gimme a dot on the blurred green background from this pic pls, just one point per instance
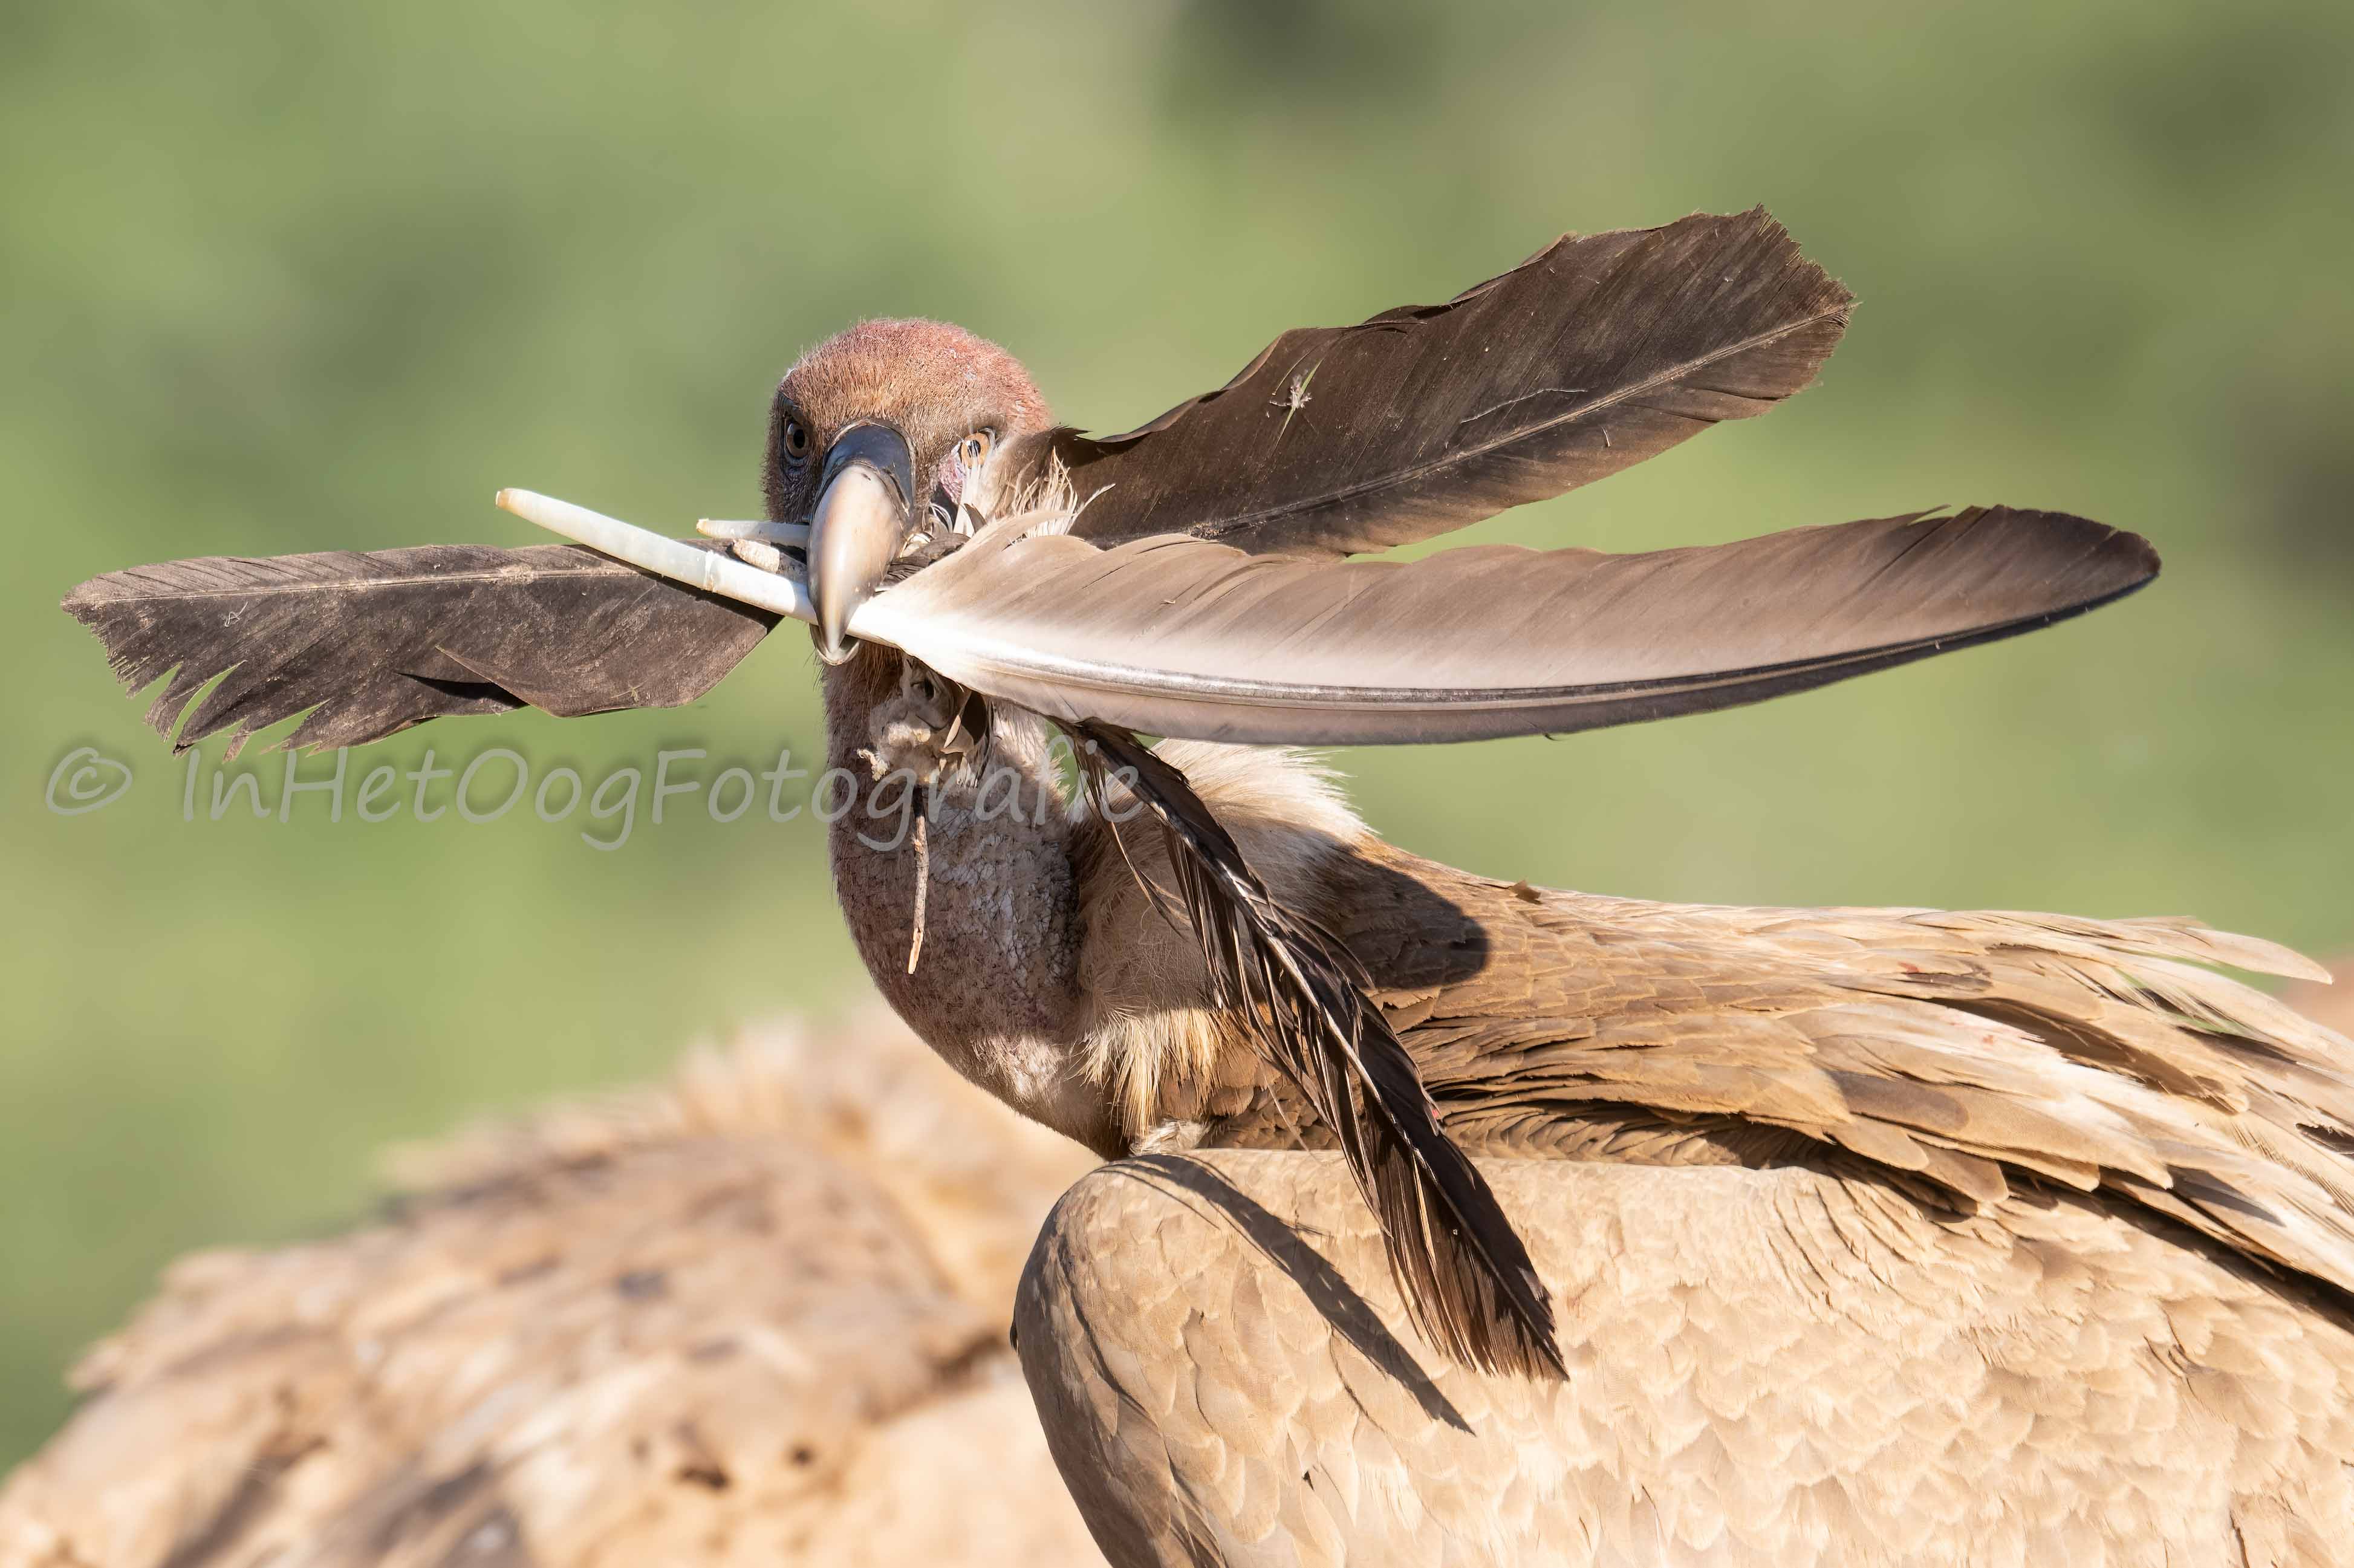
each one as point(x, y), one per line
point(280, 277)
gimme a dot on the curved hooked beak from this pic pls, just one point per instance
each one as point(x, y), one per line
point(857, 528)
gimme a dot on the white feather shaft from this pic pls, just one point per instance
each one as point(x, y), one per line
point(681, 562)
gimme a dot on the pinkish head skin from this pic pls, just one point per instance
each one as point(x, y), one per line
point(936, 384)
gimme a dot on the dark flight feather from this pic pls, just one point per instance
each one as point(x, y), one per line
point(371, 643)
point(1594, 353)
point(1177, 636)
point(1462, 1269)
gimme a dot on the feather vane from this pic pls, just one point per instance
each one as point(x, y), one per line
point(1179, 636)
point(1461, 1268)
point(1599, 351)
point(370, 644)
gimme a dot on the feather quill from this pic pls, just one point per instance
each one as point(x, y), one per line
point(1177, 636)
point(1599, 351)
point(1463, 1271)
point(370, 644)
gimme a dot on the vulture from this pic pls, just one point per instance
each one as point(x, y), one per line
point(1446, 1219)
point(752, 1316)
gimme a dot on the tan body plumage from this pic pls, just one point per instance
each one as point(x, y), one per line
point(1766, 1366)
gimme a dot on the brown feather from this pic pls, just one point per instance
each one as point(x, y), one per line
point(1463, 1270)
point(1182, 637)
point(1594, 353)
point(1977, 1052)
point(373, 643)
point(2047, 1047)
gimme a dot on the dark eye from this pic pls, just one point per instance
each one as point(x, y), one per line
point(795, 439)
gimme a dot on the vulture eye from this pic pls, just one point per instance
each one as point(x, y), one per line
point(974, 451)
point(795, 439)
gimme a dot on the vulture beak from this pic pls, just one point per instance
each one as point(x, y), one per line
point(861, 519)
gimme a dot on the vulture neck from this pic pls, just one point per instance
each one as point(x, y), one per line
point(995, 989)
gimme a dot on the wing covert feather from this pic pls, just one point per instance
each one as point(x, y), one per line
point(1981, 1051)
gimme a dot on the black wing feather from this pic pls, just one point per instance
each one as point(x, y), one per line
point(1463, 1270)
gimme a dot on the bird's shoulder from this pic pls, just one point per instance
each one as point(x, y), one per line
point(1756, 1359)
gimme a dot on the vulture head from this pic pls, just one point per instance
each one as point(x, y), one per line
point(880, 438)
